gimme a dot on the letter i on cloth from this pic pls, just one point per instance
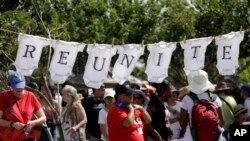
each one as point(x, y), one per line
point(158, 60)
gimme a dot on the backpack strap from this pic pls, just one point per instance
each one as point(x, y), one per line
point(194, 97)
point(227, 104)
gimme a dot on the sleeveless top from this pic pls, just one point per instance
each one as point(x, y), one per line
point(79, 135)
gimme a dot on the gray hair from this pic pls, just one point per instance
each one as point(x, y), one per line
point(70, 90)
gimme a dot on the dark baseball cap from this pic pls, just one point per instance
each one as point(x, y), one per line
point(125, 88)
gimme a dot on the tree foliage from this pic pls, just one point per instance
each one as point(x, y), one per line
point(128, 21)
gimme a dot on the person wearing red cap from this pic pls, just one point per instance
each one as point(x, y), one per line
point(17, 107)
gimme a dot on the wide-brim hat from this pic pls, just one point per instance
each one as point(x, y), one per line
point(198, 82)
point(221, 86)
point(239, 109)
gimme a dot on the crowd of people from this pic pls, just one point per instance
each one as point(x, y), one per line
point(128, 112)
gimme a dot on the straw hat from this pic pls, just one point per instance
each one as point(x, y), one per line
point(239, 109)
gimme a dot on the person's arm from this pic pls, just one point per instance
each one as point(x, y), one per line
point(184, 118)
point(40, 118)
point(82, 117)
point(130, 118)
point(150, 128)
point(221, 116)
point(145, 114)
point(3, 122)
point(6, 123)
point(103, 131)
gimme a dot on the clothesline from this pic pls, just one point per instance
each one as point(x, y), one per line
point(13, 32)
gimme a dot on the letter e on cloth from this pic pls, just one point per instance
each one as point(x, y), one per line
point(63, 59)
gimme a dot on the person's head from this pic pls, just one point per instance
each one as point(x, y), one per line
point(198, 82)
point(240, 113)
point(109, 97)
point(17, 82)
point(233, 82)
point(222, 88)
point(163, 89)
point(99, 92)
point(245, 91)
point(175, 94)
point(42, 89)
point(139, 97)
point(70, 95)
point(124, 93)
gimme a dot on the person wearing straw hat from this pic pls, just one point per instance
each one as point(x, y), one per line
point(228, 104)
point(240, 117)
point(199, 85)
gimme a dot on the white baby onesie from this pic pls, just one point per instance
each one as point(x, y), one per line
point(194, 53)
point(98, 63)
point(63, 59)
point(228, 52)
point(124, 65)
point(158, 60)
point(29, 53)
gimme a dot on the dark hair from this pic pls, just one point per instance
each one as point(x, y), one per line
point(159, 86)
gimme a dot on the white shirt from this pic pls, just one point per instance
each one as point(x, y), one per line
point(102, 119)
point(124, 65)
point(194, 53)
point(63, 59)
point(98, 63)
point(29, 53)
point(228, 52)
point(158, 61)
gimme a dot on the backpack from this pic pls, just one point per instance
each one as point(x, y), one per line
point(205, 124)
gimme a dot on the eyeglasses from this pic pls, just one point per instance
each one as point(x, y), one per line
point(137, 97)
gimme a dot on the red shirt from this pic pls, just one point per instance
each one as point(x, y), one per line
point(18, 109)
point(117, 132)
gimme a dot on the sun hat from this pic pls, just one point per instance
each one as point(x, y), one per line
point(16, 79)
point(198, 82)
point(239, 109)
point(121, 89)
point(221, 86)
point(109, 93)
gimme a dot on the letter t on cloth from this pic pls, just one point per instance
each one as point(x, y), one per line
point(158, 60)
point(98, 63)
point(29, 52)
point(124, 65)
point(194, 53)
point(228, 52)
point(63, 59)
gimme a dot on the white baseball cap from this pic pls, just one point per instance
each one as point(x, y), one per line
point(109, 92)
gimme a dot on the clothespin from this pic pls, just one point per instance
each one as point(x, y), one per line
point(123, 42)
point(142, 43)
point(184, 39)
point(94, 43)
point(241, 29)
point(113, 40)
